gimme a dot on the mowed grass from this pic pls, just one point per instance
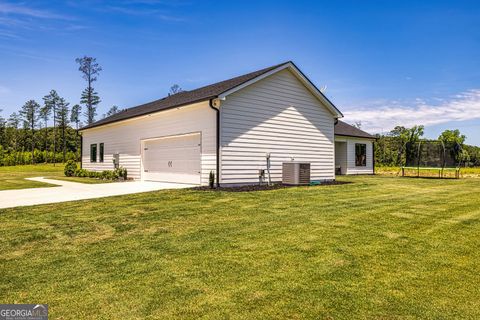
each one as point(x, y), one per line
point(377, 248)
point(13, 177)
point(433, 173)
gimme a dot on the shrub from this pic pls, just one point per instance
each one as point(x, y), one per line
point(70, 168)
point(81, 173)
point(121, 173)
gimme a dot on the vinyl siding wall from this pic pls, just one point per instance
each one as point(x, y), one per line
point(125, 138)
point(280, 116)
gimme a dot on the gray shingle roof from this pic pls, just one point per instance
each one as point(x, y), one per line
point(182, 98)
point(344, 129)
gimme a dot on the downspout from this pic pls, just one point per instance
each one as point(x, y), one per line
point(210, 103)
point(373, 156)
point(81, 151)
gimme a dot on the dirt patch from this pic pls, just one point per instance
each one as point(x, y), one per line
point(265, 187)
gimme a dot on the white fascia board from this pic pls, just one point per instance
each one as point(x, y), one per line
point(306, 82)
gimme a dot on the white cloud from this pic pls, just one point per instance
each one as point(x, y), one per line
point(8, 8)
point(384, 116)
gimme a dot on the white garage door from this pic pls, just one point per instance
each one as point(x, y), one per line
point(173, 159)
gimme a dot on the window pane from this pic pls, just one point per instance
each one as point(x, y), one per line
point(101, 152)
point(360, 154)
point(93, 153)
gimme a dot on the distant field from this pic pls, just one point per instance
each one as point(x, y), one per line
point(397, 171)
point(377, 247)
point(13, 177)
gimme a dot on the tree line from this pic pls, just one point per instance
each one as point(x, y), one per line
point(396, 147)
point(47, 131)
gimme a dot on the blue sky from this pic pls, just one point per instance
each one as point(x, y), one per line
point(384, 62)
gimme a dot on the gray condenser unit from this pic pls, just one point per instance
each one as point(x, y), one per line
point(296, 173)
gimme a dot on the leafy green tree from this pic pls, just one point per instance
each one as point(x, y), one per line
point(405, 140)
point(452, 137)
point(63, 120)
point(30, 114)
point(90, 70)
point(453, 141)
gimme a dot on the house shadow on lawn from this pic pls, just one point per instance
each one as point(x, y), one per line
point(265, 187)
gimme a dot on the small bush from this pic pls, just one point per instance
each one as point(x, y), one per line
point(81, 173)
point(70, 168)
point(121, 173)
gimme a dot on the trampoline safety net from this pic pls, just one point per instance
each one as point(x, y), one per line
point(432, 154)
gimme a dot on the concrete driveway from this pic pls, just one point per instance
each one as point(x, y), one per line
point(69, 191)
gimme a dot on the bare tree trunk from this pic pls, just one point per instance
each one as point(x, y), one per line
point(46, 142)
point(64, 144)
point(54, 138)
point(33, 145)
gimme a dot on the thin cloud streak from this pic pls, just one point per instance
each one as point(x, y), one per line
point(8, 8)
point(384, 117)
point(144, 12)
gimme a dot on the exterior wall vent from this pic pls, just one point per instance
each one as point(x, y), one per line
point(296, 173)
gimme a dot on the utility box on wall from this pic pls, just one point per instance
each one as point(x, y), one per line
point(296, 173)
point(116, 160)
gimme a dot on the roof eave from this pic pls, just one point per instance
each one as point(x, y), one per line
point(356, 136)
point(93, 125)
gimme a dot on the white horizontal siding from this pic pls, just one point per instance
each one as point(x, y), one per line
point(350, 149)
point(125, 137)
point(276, 115)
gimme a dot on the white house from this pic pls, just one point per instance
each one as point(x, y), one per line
point(228, 128)
point(353, 150)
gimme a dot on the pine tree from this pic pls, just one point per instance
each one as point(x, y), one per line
point(30, 114)
point(51, 102)
point(90, 70)
point(14, 122)
point(45, 112)
point(75, 118)
point(63, 121)
point(3, 125)
point(113, 110)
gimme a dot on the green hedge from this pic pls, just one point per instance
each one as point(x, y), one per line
point(72, 170)
point(12, 158)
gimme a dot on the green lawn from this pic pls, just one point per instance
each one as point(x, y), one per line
point(449, 173)
point(13, 177)
point(377, 248)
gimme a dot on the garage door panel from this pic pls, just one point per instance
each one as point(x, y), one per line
point(173, 159)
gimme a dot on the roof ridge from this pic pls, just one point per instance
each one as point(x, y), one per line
point(186, 97)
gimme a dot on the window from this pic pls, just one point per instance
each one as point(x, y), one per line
point(360, 154)
point(101, 152)
point(93, 153)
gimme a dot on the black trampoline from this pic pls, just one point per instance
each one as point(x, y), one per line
point(432, 156)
